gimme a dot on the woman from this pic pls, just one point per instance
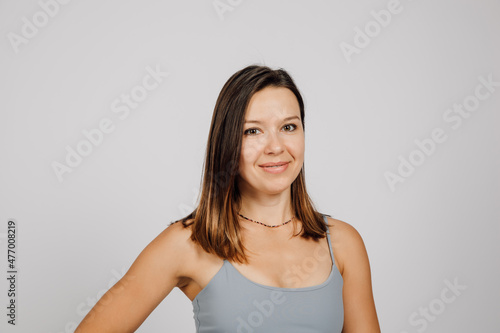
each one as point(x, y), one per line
point(255, 255)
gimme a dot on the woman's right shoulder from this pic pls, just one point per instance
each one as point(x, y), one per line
point(172, 249)
point(159, 268)
point(190, 256)
point(177, 237)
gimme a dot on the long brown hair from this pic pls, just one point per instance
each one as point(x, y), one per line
point(215, 219)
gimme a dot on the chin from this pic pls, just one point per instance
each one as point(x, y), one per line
point(276, 189)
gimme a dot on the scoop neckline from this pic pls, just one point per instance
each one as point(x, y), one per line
point(323, 284)
point(318, 286)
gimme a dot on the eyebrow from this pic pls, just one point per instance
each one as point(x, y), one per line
point(258, 122)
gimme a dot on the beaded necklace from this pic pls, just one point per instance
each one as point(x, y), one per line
point(267, 225)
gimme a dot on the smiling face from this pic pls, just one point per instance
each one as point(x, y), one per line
point(272, 133)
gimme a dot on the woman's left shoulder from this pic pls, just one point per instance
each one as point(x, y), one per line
point(347, 243)
point(342, 230)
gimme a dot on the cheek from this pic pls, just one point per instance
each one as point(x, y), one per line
point(249, 152)
point(297, 148)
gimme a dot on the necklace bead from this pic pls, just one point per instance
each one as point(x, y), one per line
point(267, 225)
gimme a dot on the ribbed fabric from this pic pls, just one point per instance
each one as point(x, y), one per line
point(232, 303)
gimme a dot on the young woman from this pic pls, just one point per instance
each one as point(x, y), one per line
point(255, 255)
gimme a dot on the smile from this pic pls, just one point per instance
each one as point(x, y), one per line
point(278, 168)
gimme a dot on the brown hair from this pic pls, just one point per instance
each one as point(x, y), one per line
point(215, 220)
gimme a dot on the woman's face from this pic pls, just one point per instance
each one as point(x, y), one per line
point(272, 133)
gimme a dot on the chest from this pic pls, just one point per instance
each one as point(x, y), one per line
point(232, 303)
point(292, 264)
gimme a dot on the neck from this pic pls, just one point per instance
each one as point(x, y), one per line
point(269, 209)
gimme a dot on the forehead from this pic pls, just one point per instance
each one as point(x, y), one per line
point(272, 102)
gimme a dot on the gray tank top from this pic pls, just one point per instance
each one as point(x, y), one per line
point(232, 303)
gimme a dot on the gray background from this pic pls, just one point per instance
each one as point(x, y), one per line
point(77, 235)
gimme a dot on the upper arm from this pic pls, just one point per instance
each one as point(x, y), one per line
point(359, 307)
point(152, 276)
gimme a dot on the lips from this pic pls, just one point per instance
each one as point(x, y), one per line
point(275, 167)
point(273, 164)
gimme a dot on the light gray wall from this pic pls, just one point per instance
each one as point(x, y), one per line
point(368, 100)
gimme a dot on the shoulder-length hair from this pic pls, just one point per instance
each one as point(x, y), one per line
point(215, 220)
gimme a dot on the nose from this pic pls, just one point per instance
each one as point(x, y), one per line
point(274, 144)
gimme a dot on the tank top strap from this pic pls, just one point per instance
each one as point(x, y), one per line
point(329, 239)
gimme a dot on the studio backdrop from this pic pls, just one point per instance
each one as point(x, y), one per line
point(104, 116)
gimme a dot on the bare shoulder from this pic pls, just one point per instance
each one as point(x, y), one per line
point(172, 249)
point(342, 229)
point(175, 233)
point(347, 243)
point(191, 258)
point(174, 237)
point(150, 278)
point(349, 249)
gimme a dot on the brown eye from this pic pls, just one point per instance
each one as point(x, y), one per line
point(294, 127)
point(250, 129)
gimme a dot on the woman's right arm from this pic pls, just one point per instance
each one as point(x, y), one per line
point(152, 276)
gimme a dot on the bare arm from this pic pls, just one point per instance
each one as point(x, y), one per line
point(359, 307)
point(152, 276)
